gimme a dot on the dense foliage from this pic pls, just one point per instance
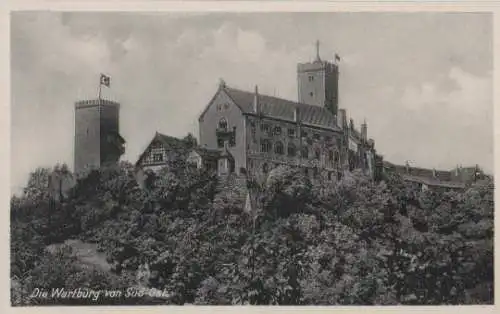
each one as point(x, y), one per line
point(184, 232)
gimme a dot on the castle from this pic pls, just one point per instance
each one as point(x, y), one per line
point(246, 132)
point(249, 132)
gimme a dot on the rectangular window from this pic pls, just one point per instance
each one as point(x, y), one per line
point(220, 143)
point(291, 132)
point(316, 136)
point(157, 157)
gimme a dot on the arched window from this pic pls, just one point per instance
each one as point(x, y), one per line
point(330, 156)
point(305, 152)
point(265, 146)
point(337, 157)
point(317, 153)
point(291, 150)
point(278, 148)
point(265, 168)
point(277, 130)
point(223, 124)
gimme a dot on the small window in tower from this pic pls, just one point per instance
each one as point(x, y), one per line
point(311, 78)
point(311, 94)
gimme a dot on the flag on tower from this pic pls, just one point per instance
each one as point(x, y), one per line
point(337, 58)
point(105, 80)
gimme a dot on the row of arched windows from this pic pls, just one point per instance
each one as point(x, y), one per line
point(266, 147)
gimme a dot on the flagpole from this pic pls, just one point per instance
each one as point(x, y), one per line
point(99, 92)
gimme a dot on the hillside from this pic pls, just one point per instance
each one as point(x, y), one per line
point(188, 236)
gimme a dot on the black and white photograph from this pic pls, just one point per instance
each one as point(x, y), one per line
point(251, 158)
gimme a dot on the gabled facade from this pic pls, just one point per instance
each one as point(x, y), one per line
point(264, 132)
point(160, 151)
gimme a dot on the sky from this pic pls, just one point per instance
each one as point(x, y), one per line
point(422, 81)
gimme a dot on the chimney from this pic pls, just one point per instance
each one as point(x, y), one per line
point(434, 172)
point(341, 118)
point(222, 83)
point(364, 131)
point(351, 124)
point(407, 167)
point(296, 114)
point(256, 100)
point(371, 143)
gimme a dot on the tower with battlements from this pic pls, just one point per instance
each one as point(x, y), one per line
point(97, 134)
point(318, 82)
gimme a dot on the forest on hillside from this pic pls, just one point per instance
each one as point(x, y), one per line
point(352, 242)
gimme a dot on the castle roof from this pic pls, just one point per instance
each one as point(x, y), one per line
point(433, 177)
point(283, 109)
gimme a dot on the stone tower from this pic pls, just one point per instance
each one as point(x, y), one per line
point(318, 82)
point(97, 137)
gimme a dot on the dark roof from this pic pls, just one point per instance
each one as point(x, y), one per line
point(283, 109)
point(206, 152)
point(426, 176)
point(433, 181)
point(167, 141)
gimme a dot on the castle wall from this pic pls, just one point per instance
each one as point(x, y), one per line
point(324, 147)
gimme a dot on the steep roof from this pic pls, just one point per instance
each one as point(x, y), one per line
point(283, 109)
point(168, 140)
